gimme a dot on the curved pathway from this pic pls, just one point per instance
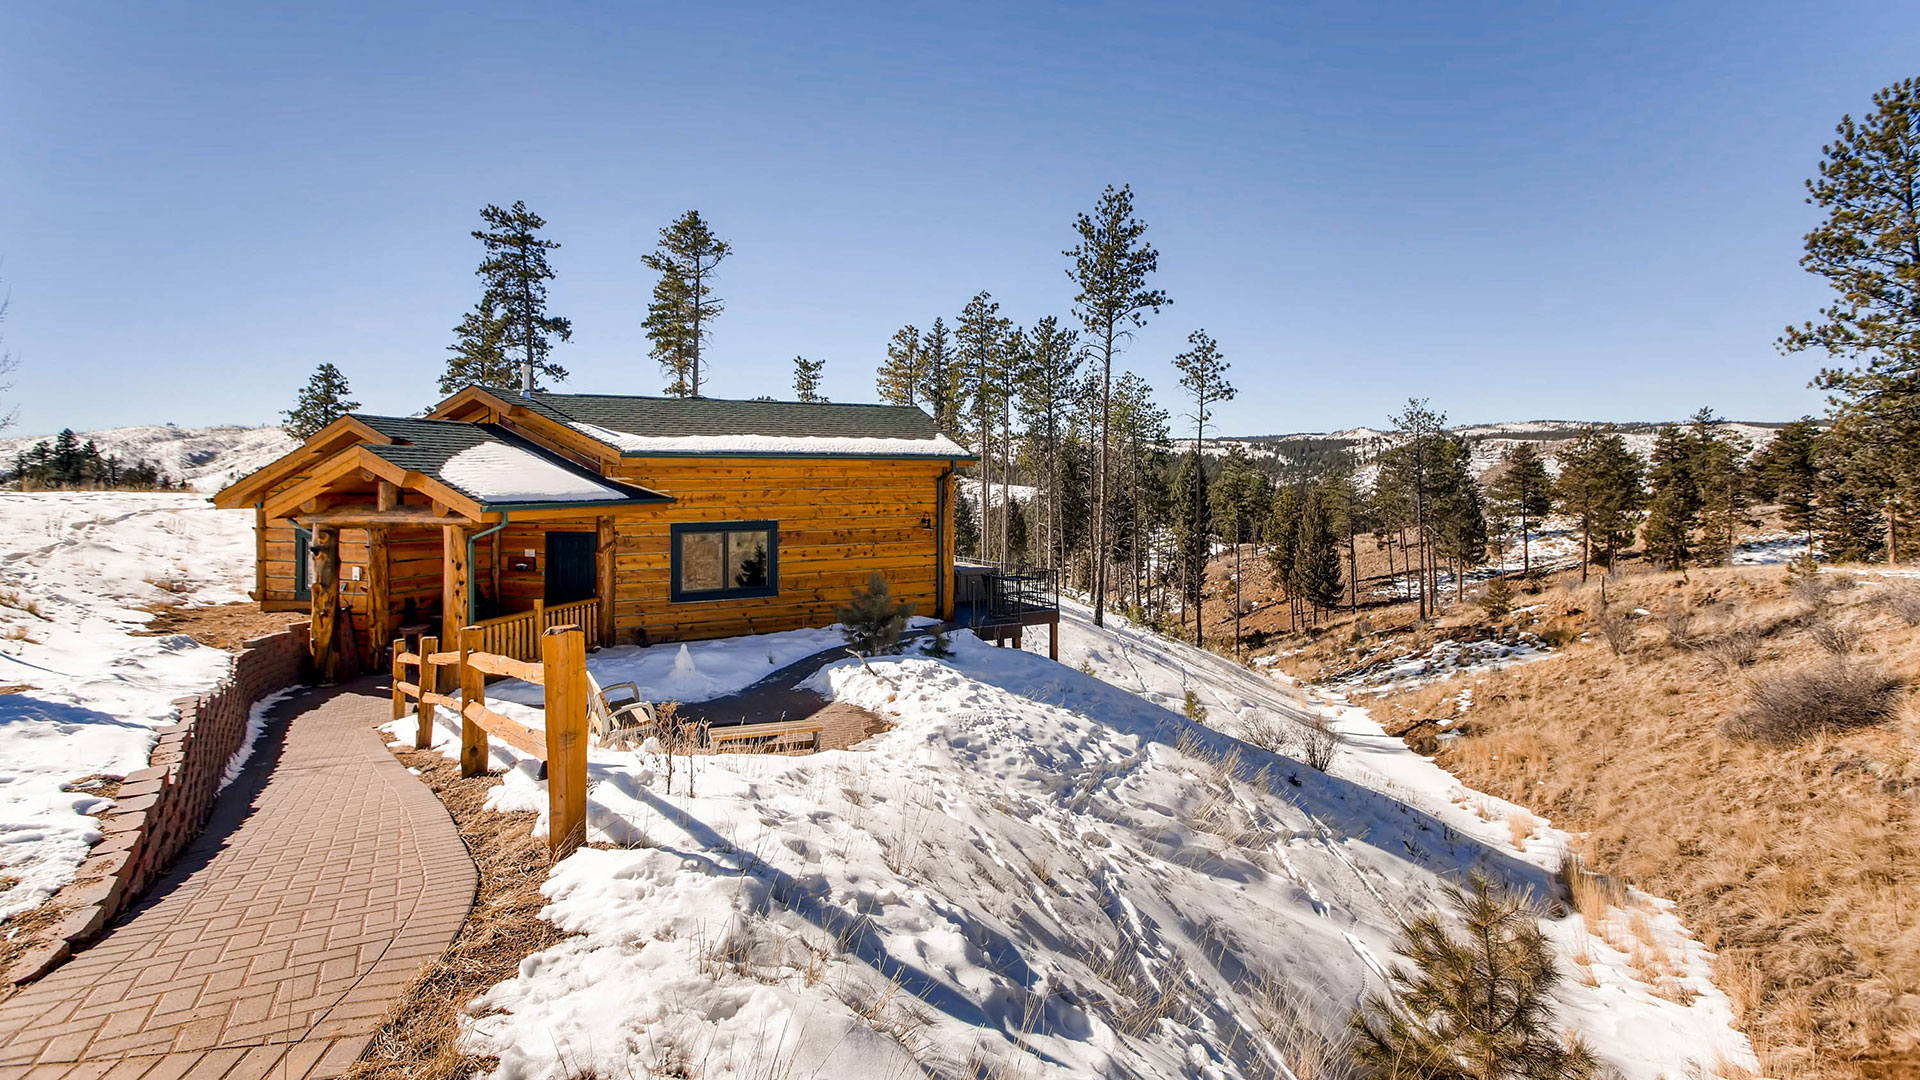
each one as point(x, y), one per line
point(326, 877)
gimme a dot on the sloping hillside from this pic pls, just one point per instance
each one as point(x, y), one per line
point(1042, 870)
point(206, 458)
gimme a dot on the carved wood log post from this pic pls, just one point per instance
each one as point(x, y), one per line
point(454, 586)
point(563, 655)
point(379, 595)
point(603, 571)
point(324, 604)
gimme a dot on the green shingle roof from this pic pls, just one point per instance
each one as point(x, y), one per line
point(426, 446)
point(672, 417)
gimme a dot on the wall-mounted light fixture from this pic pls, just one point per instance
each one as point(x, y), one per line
point(926, 522)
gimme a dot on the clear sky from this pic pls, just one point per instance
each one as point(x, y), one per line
point(1525, 210)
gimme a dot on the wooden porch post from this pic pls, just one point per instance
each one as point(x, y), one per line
point(454, 586)
point(379, 594)
point(324, 603)
point(603, 579)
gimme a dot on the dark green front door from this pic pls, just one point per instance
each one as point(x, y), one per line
point(570, 573)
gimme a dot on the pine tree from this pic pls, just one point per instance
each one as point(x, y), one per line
point(1193, 537)
point(1787, 472)
point(1523, 491)
point(515, 273)
point(1316, 555)
point(1110, 268)
point(873, 621)
point(1601, 485)
point(1047, 379)
point(1475, 1007)
point(1237, 498)
point(479, 352)
point(806, 379)
point(1868, 250)
point(966, 529)
point(1675, 506)
point(941, 387)
point(1283, 541)
point(322, 401)
point(1459, 519)
point(1413, 466)
point(900, 377)
point(1721, 484)
point(979, 340)
point(680, 319)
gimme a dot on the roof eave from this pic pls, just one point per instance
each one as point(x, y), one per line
point(574, 504)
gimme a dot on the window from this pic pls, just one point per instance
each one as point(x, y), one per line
point(302, 564)
point(724, 560)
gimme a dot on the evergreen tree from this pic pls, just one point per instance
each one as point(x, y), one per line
point(1316, 554)
point(1787, 472)
point(1602, 485)
point(515, 273)
point(1110, 268)
point(806, 379)
point(1413, 466)
point(1238, 499)
point(1459, 519)
point(1523, 491)
point(1475, 1007)
point(900, 377)
point(1675, 506)
point(1138, 501)
point(680, 319)
point(1193, 537)
point(1052, 367)
point(1283, 541)
point(322, 401)
point(966, 529)
point(942, 385)
point(1720, 482)
point(1868, 250)
point(979, 340)
point(479, 351)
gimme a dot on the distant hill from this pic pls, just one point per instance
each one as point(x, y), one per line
point(206, 458)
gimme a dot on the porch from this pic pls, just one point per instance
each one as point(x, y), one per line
point(998, 603)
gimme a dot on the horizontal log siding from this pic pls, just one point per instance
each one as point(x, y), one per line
point(840, 520)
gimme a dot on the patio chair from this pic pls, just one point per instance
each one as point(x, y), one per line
point(619, 717)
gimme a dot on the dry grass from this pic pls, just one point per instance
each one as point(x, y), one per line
point(222, 626)
point(1798, 864)
point(416, 1041)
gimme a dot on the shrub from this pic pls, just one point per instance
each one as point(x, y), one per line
point(1195, 711)
point(1730, 651)
point(1616, 626)
point(1834, 695)
point(1836, 637)
point(1497, 601)
point(1678, 618)
point(1478, 1007)
point(1903, 600)
point(939, 646)
point(1318, 744)
point(873, 621)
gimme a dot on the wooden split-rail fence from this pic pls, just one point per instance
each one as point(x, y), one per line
point(561, 672)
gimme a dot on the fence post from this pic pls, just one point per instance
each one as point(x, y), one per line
point(563, 653)
point(473, 689)
point(423, 735)
point(399, 676)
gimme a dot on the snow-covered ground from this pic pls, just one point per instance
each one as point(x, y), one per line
point(76, 571)
point(1043, 870)
point(208, 459)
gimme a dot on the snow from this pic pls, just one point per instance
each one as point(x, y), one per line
point(1771, 549)
point(89, 563)
point(499, 473)
point(1442, 660)
point(803, 445)
point(692, 671)
point(207, 458)
point(1042, 869)
point(256, 726)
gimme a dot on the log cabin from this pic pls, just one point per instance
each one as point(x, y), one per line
point(640, 519)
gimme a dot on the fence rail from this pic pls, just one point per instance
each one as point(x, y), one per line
point(518, 635)
point(561, 672)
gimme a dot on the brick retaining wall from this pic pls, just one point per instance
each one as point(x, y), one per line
point(161, 808)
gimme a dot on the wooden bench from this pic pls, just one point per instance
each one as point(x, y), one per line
point(803, 734)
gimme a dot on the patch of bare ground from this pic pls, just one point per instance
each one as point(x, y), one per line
point(1733, 744)
point(222, 626)
point(417, 1039)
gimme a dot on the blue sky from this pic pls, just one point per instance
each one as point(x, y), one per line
point(1517, 210)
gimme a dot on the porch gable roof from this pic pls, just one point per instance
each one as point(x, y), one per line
point(496, 468)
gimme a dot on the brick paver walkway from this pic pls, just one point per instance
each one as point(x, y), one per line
point(326, 877)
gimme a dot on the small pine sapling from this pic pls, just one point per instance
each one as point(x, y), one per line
point(1497, 601)
point(1195, 711)
point(940, 646)
point(1477, 1007)
point(873, 621)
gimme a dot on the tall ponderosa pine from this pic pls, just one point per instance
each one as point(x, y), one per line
point(1787, 472)
point(480, 351)
point(1459, 519)
point(680, 319)
point(941, 387)
point(1193, 538)
point(1674, 508)
point(899, 378)
point(1474, 1007)
point(1523, 491)
point(1602, 486)
point(1203, 372)
point(1238, 500)
point(1052, 367)
point(980, 339)
point(511, 325)
point(322, 401)
point(1412, 466)
point(1316, 553)
point(806, 379)
point(1110, 268)
point(1868, 250)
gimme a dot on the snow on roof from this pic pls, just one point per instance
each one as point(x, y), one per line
point(938, 446)
point(499, 473)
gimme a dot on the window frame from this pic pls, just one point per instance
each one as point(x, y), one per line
point(677, 595)
point(302, 563)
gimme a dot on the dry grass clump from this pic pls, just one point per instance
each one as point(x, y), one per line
point(1902, 600)
point(416, 1041)
point(1798, 863)
point(1794, 706)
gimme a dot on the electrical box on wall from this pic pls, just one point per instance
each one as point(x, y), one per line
point(523, 564)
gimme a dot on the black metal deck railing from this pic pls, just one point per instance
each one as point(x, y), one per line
point(998, 596)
